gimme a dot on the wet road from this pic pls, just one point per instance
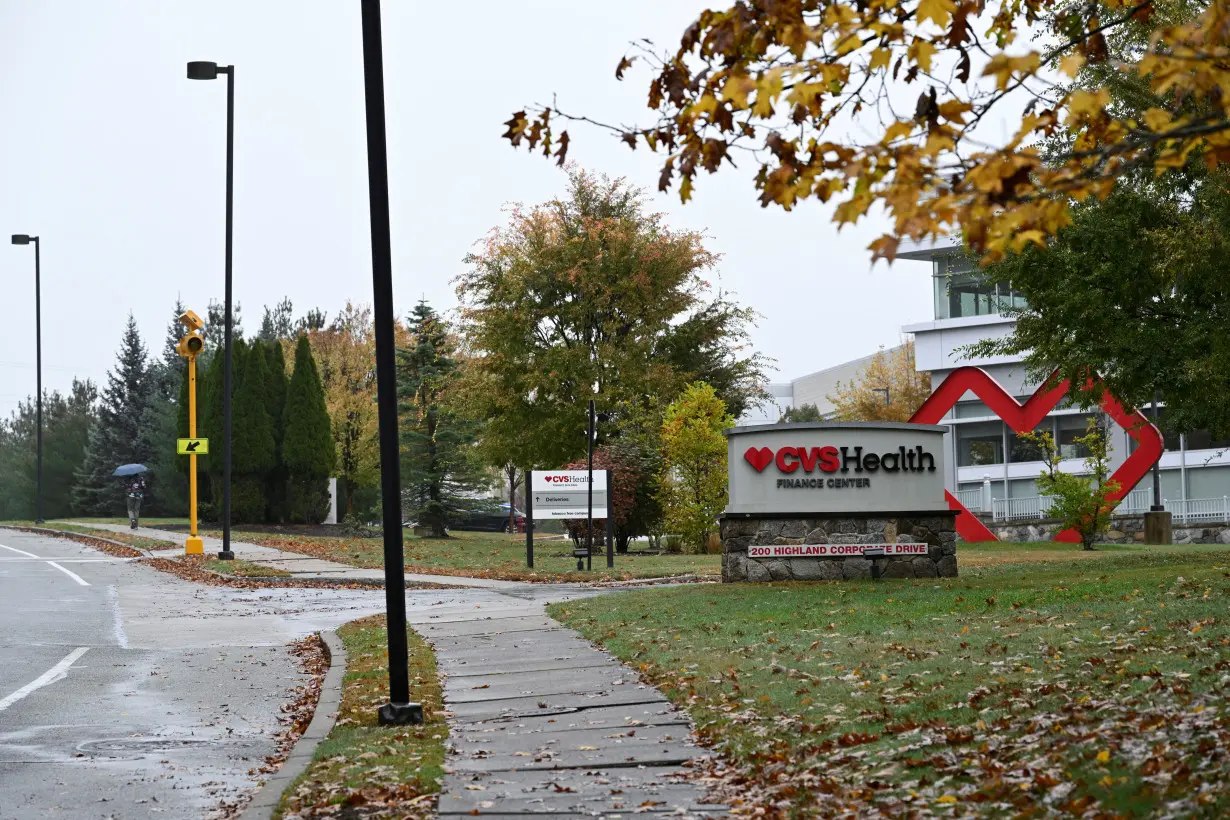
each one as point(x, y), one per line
point(128, 693)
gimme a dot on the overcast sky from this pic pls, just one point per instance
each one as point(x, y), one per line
point(116, 160)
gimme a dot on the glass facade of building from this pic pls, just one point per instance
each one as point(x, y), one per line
point(961, 289)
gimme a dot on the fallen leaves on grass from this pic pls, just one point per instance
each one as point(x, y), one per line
point(1087, 697)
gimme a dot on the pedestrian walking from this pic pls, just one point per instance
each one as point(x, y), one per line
point(135, 490)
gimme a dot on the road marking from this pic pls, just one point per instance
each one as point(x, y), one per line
point(67, 572)
point(55, 673)
point(70, 560)
point(117, 618)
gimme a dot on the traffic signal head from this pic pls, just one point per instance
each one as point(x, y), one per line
point(190, 320)
point(190, 346)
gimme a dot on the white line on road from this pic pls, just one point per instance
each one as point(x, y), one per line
point(69, 560)
point(67, 572)
point(117, 618)
point(55, 673)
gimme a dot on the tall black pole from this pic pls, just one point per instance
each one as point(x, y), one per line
point(529, 518)
point(38, 377)
point(399, 709)
point(1157, 473)
point(589, 524)
point(226, 554)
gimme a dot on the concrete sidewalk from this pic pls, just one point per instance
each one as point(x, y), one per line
point(544, 723)
point(302, 567)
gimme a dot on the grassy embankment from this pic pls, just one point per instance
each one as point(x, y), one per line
point(363, 764)
point(1044, 679)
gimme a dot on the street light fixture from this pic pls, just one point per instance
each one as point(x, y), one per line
point(24, 239)
point(202, 70)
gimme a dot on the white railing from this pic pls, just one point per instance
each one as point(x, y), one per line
point(1034, 507)
point(1019, 509)
point(1198, 509)
point(1136, 502)
point(972, 499)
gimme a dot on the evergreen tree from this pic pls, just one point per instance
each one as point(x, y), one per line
point(275, 403)
point(441, 474)
point(17, 464)
point(210, 421)
point(214, 332)
point(307, 448)
point(66, 427)
point(116, 436)
point(253, 452)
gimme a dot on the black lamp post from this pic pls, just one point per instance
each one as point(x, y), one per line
point(210, 71)
point(399, 709)
point(23, 239)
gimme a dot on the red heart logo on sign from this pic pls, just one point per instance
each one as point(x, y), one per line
point(1023, 418)
point(759, 458)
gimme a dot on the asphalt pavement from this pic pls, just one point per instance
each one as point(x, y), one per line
point(128, 693)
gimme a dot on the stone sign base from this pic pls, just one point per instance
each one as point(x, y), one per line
point(936, 529)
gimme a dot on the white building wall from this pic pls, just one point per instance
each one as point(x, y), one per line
point(939, 344)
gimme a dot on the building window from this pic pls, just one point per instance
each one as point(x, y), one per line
point(1070, 429)
point(980, 444)
point(1025, 450)
point(961, 289)
point(1204, 440)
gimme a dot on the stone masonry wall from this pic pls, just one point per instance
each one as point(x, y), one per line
point(936, 530)
point(1124, 529)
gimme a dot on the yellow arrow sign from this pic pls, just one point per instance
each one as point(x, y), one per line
point(192, 446)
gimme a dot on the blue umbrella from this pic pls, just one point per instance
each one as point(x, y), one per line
point(130, 469)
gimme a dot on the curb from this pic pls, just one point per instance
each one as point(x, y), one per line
point(71, 534)
point(269, 794)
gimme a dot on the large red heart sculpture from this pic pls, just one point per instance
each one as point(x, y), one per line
point(1023, 418)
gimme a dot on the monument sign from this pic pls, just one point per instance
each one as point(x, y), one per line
point(837, 500)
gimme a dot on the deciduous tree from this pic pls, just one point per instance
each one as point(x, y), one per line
point(590, 296)
point(693, 488)
point(792, 88)
point(1080, 502)
point(345, 352)
point(887, 389)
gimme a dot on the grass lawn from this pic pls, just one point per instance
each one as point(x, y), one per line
point(362, 763)
point(489, 555)
point(243, 569)
point(473, 554)
point(1043, 681)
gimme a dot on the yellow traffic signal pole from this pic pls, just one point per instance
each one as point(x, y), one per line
point(194, 545)
point(190, 347)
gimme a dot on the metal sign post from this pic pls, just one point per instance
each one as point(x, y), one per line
point(529, 520)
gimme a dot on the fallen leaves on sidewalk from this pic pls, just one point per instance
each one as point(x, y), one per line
point(297, 713)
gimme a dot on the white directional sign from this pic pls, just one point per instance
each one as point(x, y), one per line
point(565, 494)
